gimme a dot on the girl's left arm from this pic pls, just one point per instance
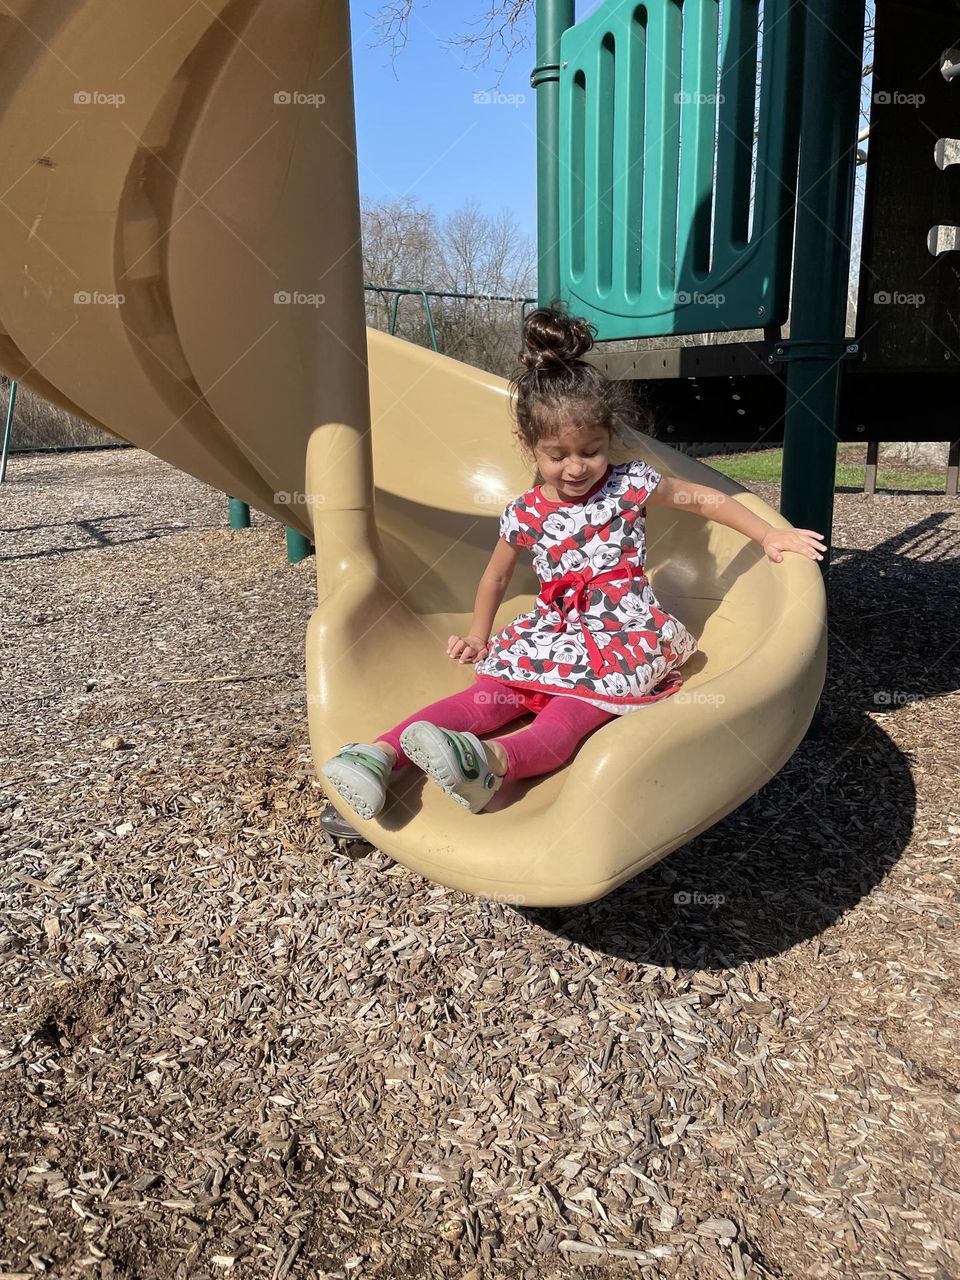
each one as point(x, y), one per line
point(710, 503)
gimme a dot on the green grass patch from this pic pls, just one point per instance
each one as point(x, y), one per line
point(765, 468)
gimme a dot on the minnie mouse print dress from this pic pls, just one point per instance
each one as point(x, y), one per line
point(597, 631)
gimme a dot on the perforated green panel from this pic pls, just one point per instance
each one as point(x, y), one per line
point(674, 216)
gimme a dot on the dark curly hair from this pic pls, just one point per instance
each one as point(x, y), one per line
point(556, 388)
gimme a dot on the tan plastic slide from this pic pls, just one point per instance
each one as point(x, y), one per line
point(180, 264)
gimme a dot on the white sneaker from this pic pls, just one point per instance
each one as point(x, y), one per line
point(457, 762)
point(359, 773)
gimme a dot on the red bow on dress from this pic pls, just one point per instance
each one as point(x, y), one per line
point(577, 583)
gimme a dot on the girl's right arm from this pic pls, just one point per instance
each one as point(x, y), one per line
point(493, 587)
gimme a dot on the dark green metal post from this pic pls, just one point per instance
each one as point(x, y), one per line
point(553, 18)
point(298, 546)
point(8, 430)
point(815, 349)
point(239, 514)
point(427, 308)
point(426, 294)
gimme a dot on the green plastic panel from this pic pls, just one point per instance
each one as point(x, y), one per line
point(677, 178)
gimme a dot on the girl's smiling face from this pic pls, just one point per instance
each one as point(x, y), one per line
point(572, 462)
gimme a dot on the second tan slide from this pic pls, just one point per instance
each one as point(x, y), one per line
point(180, 264)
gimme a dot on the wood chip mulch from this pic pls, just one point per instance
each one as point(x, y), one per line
point(229, 1048)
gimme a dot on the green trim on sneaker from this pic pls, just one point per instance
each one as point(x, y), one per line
point(466, 757)
point(359, 774)
point(457, 762)
point(356, 752)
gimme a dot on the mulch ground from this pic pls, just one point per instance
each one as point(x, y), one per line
point(230, 1048)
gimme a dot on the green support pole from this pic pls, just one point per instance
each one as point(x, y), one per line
point(815, 350)
point(239, 514)
point(422, 293)
point(8, 430)
point(426, 294)
point(553, 18)
point(833, 58)
point(298, 546)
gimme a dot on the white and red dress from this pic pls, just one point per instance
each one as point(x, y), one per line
point(597, 631)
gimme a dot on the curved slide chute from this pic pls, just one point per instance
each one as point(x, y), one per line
point(180, 265)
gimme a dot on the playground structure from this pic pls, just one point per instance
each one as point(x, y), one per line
point(639, 262)
point(145, 249)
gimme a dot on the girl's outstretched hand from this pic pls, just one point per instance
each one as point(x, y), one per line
point(466, 648)
point(804, 542)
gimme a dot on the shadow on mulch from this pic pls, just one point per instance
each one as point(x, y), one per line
point(97, 534)
point(797, 856)
point(887, 491)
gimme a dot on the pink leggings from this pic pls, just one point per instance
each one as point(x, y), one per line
point(489, 704)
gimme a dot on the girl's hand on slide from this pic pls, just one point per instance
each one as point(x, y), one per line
point(466, 649)
point(804, 542)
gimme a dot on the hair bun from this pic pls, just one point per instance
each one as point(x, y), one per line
point(552, 339)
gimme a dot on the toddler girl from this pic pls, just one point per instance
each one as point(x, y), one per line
point(597, 643)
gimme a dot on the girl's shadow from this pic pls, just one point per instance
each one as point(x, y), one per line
point(825, 831)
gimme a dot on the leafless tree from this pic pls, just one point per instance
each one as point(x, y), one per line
point(399, 248)
point(467, 252)
point(501, 28)
point(39, 424)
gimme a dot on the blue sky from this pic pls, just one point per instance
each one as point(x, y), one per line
point(419, 130)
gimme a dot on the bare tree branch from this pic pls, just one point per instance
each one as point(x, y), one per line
point(468, 252)
point(505, 27)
